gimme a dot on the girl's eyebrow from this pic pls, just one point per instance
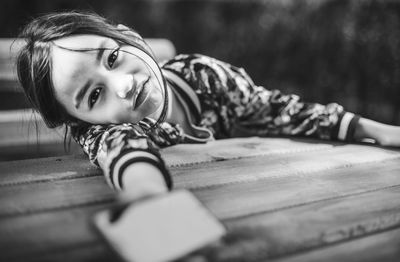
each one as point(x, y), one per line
point(81, 94)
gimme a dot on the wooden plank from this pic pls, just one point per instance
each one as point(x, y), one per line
point(237, 188)
point(46, 170)
point(292, 222)
point(236, 148)
point(23, 134)
point(24, 127)
point(43, 197)
point(288, 170)
point(21, 152)
point(285, 231)
point(254, 169)
point(274, 193)
point(323, 223)
point(380, 247)
point(306, 199)
point(212, 152)
point(174, 156)
point(98, 252)
point(12, 98)
point(42, 234)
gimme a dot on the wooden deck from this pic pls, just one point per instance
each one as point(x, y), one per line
point(301, 200)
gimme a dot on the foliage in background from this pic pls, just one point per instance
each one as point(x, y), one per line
point(326, 50)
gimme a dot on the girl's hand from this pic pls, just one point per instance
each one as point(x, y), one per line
point(384, 135)
point(390, 136)
point(142, 180)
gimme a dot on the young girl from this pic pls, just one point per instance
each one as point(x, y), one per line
point(103, 83)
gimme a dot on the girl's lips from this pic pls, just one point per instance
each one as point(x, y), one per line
point(142, 95)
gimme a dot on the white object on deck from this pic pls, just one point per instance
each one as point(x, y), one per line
point(163, 228)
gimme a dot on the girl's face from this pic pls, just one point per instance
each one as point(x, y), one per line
point(106, 85)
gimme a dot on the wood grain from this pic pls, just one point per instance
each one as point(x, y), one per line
point(43, 170)
point(384, 246)
point(325, 223)
point(55, 195)
point(309, 201)
point(229, 188)
point(26, 171)
point(47, 232)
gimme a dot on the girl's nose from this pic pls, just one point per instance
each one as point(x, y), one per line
point(124, 85)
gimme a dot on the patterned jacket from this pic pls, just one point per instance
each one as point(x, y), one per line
point(225, 103)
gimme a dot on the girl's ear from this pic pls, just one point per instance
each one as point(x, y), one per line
point(127, 30)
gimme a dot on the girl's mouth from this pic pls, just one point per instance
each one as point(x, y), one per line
point(143, 94)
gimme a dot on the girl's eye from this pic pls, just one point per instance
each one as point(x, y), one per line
point(94, 96)
point(112, 57)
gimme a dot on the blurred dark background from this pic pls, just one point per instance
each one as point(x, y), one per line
point(327, 50)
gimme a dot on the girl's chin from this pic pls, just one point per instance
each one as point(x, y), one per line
point(151, 110)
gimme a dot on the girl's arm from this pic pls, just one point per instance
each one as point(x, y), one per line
point(130, 161)
point(382, 134)
point(234, 106)
point(142, 180)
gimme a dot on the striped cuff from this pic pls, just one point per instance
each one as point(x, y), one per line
point(129, 157)
point(346, 127)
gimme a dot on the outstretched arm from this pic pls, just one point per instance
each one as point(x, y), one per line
point(142, 180)
point(129, 159)
point(234, 106)
point(382, 134)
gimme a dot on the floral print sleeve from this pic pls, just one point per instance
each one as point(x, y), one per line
point(114, 147)
point(232, 105)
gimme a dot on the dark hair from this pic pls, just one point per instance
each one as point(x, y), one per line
point(34, 60)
